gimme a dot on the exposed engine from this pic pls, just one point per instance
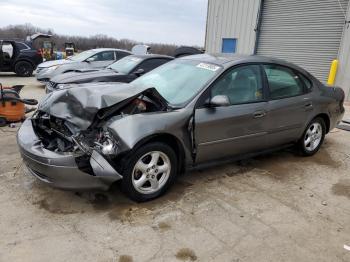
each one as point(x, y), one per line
point(59, 135)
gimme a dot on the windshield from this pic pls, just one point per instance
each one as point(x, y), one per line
point(180, 80)
point(82, 56)
point(126, 64)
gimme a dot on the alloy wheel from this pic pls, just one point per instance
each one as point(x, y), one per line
point(151, 172)
point(313, 136)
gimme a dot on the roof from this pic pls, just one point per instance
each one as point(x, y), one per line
point(109, 49)
point(228, 60)
point(147, 56)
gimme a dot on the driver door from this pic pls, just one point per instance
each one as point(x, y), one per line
point(239, 127)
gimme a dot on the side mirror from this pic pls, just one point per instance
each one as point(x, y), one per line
point(219, 101)
point(139, 72)
point(89, 60)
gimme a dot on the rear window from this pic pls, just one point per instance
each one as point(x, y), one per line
point(21, 46)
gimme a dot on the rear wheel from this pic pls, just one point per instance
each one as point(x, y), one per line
point(313, 137)
point(24, 68)
point(149, 172)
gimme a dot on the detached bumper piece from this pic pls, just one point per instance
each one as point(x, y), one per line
point(61, 170)
point(344, 125)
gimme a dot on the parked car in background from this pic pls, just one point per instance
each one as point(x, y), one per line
point(19, 57)
point(189, 112)
point(125, 70)
point(186, 51)
point(90, 59)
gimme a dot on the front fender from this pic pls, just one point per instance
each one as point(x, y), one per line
point(129, 131)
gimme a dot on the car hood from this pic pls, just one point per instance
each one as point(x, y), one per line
point(82, 76)
point(81, 105)
point(54, 63)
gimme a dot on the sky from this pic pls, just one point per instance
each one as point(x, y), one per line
point(179, 22)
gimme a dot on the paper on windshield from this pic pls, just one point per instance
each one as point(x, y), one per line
point(210, 67)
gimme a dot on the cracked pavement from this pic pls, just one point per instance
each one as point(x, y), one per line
point(277, 207)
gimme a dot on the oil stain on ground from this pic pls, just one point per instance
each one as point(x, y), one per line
point(125, 258)
point(342, 188)
point(55, 208)
point(122, 209)
point(163, 226)
point(186, 254)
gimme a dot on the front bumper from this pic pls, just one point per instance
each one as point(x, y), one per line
point(43, 75)
point(60, 170)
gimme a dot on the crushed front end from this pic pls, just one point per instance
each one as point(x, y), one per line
point(59, 152)
point(61, 162)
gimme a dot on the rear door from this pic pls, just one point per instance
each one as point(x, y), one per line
point(238, 128)
point(290, 104)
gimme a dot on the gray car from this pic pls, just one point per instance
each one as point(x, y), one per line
point(187, 113)
point(124, 70)
point(90, 59)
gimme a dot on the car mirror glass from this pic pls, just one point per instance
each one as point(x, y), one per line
point(219, 101)
point(139, 72)
point(90, 59)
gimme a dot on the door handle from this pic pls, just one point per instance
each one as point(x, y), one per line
point(308, 105)
point(259, 114)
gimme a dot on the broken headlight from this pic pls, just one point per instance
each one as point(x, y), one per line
point(106, 143)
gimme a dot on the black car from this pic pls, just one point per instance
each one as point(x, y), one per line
point(125, 70)
point(19, 57)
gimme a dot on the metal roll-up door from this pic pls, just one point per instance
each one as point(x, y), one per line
point(305, 32)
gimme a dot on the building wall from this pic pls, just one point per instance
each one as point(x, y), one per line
point(343, 75)
point(305, 32)
point(232, 19)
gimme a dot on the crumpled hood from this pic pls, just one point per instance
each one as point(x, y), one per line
point(54, 63)
point(83, 76)
point(80, 105)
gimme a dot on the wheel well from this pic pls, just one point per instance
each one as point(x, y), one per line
point(24, 60)
point(326, 120)
point(171, 141)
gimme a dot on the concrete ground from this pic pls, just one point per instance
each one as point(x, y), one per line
point(278, 207)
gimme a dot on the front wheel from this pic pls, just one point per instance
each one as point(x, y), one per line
point(149, 172)
point(313, 137)
point(24, 68)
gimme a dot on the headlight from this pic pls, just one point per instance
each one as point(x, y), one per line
point(107, 144)
point(61, 86)
point(52, 68)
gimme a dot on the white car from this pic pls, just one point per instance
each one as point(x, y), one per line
point(90, 59)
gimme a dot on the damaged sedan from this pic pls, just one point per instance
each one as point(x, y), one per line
point(187, 113)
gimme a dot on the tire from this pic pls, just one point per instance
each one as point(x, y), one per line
point(141, 172)
point(3, 122)
point(24, 69)
point(313, 137)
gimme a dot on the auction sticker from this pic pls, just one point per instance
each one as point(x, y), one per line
point(135, 59)
point(210, 67)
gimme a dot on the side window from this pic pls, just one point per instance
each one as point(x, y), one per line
point(283, 82)
point(307, 82)
point(241, 85)
point(103, 56)
point(151, 64)
point(7, 50)
point(121, 54)
point(108, 55)
point(21, 46)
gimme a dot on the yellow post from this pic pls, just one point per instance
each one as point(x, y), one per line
point(333, 72)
